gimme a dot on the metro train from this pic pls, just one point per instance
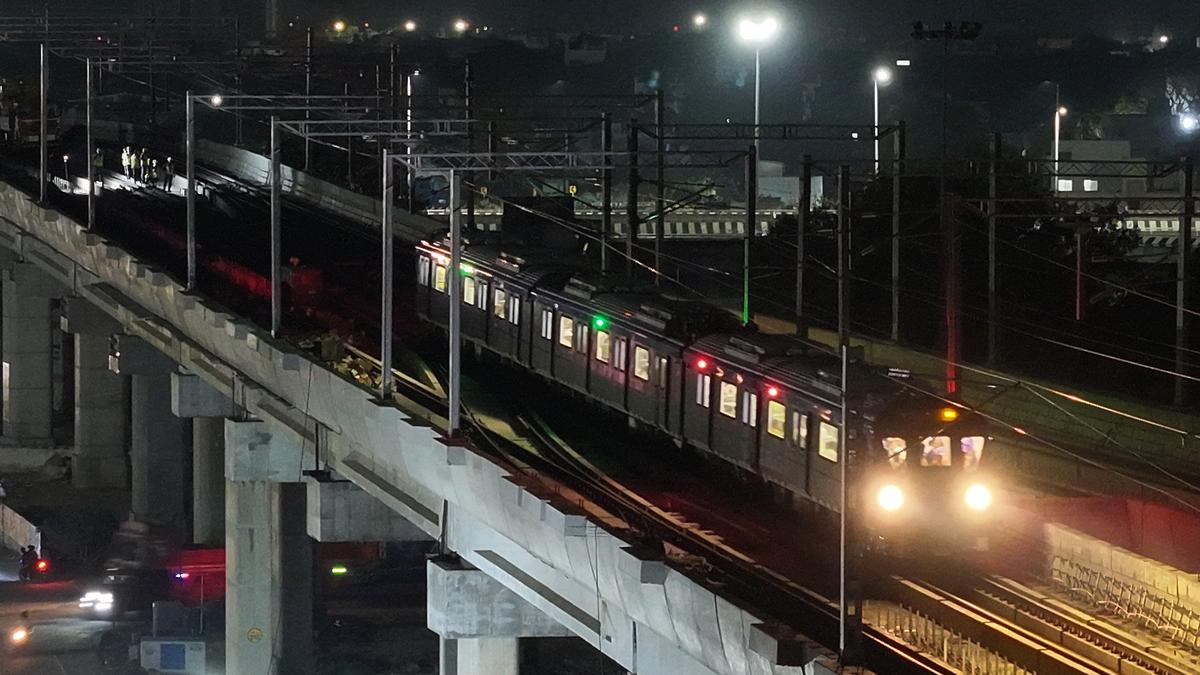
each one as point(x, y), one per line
point(766, 404)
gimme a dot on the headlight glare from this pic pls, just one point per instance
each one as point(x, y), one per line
point(890, 498)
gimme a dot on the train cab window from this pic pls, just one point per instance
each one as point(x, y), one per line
point(514, 310)
point(603, 346)
point(468, 290)
point(547, 324)
point(423, 265)
point(972, 449)
point(500, 306)
point(566, 332)
point(620, 353)
point(439, 278)
point(935, 451)
point(828, 438)
point(776, 418)
point(799, 429)
point(641, 363)
point(750, 408)
point(897, 451)
point(729, 392)
point(703, 390)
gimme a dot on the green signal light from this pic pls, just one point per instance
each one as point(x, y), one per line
point(338, 570)
point(599, 323)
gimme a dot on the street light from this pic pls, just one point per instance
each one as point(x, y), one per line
point(410, 26)
point(882, 77)
point(217, 100)
point(1164, 39)
point(1189, 123)
point(461, 26)
point(1059, 113)
point(700, 20)
point(66, 171)
point(757, 32)
point(339, 26)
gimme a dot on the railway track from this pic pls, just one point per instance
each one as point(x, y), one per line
point(1035, 632)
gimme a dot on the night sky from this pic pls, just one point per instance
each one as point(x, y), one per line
point(1111, 18)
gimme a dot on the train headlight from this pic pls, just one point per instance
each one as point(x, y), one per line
point(978, 497)
point(890, 498)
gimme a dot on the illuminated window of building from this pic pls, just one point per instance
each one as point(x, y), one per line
point(1091, 185)
point(1065, 185)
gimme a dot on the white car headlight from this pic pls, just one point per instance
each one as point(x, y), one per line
point(978, 497)
point(890, 498)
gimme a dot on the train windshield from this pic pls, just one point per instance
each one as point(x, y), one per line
point(972, 449)
point(935, 451)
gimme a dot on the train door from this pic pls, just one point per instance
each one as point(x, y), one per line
point(662, 383)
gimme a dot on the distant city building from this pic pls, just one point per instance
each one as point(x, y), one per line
point(585, 49)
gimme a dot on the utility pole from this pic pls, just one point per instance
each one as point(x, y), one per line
point(276, 230)
point(1080, 263)
point(454, 293)
point(385, 336)
point(43, 130)
point(1182, 283)
point(660, 176)
point(803, 212)
point(992, 215)
point(308, 73)
point(468, 82)
point(898, 152)
point(751, 224)
point(631, 198)
point(190, 108)
point(849, 583)
point(91, 146)
point(606, 179)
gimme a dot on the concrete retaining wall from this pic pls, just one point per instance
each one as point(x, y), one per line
point(1181, 588)
point(16, 532)
point(256, 169)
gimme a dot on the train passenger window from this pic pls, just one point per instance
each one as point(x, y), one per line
point(828, 438)
point(972, 448)
point(729, 392)
point(547, 324)
point(514, 311)
point(566, 331)
point(581, 339)
point(703, 390)
point(500, 307)
point(641, 363)
point(620, 353)
point(799, 429)
point(935, 451)
point(897, 451)
point(603, 347)
point(423, 265)
point(468, 290)
point(776, 418)
point(750, 408)
point(481, 295)
point(439, 278)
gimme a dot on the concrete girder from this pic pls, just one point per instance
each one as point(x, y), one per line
point(341, 511)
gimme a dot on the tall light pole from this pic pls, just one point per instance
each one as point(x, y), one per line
point(1059, 113)
point(757, 32)
point(882, 77)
